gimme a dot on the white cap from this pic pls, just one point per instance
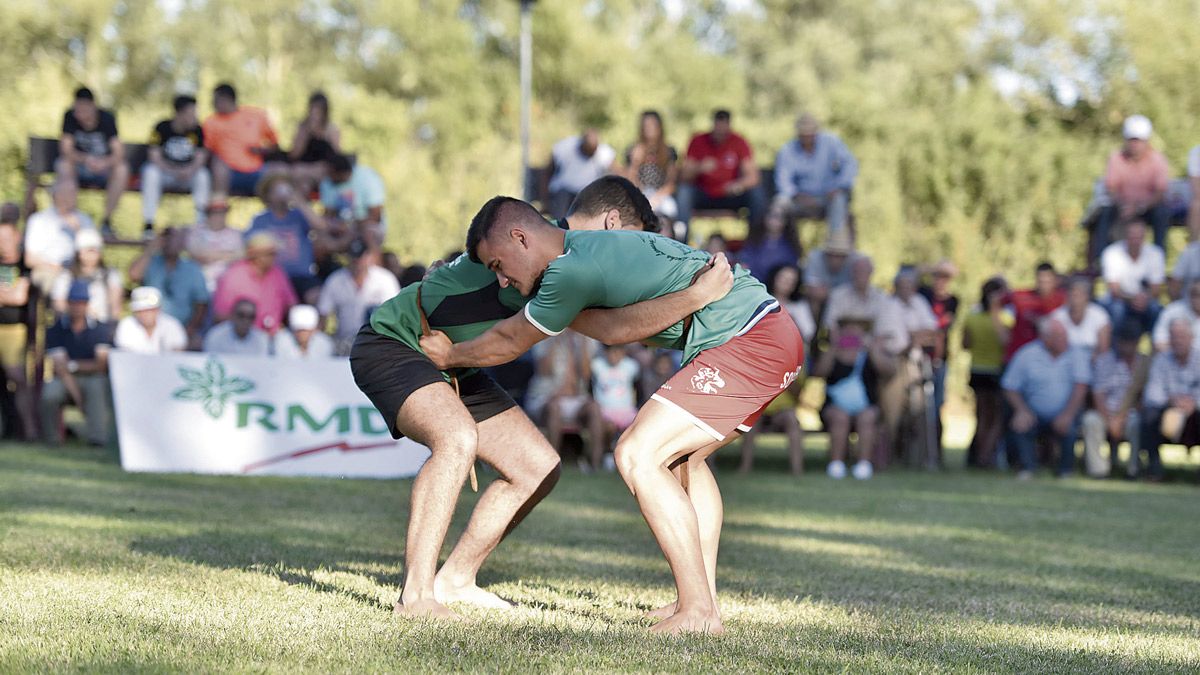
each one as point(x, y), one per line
point(145, 297)
point(88, 238)
point(1137, 126)
point(303, 317)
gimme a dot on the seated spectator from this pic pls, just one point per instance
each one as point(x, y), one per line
point(558, 393)
point(289, 220)
point(1169, 402)
point(176, 160)
point(14, 312)
point(1030, 306)
point(770, 245)
point(1046, 384)
point(1120, 377)
point(256, 278)
point(352, 293)
point(180, 281)
point(986, 332)
point(301, 339)
point(814, 175)
point(945, 308)
point(853, 369)
point(106, 289)
point(784, 285)
point(1136, 180)
point(149, 330)
point(826, 268)
point(1193, 172)
point(316, 143)
point(78, 351)
point(1088, 326)
point(240, 139)
point(214, 245)
point(238, 335)
point(1187, 309)
point(614, 378)
point(653, 166)
point(353, 196)
point(719, 173)
point(574, 163)
point(1134, 272)
point(50, 235)
point(662, 366)
point(861, 301)
point(90, 154)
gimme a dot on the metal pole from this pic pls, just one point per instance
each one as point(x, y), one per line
point(526, 90)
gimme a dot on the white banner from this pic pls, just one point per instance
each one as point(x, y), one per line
point(212, 413)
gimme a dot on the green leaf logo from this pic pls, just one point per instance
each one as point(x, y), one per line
point(210, 387)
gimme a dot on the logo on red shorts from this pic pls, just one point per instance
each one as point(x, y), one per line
point(789, 378)
point(707, 380)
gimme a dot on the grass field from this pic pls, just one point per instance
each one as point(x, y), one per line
point(101, 570)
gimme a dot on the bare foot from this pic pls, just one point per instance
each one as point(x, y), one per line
point(690, 623)
point(424, 609)
point(663, 612)
point(447, 593)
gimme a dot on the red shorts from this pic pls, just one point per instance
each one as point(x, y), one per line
point(727, 387)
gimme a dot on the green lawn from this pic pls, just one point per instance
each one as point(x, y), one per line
point(100, 570)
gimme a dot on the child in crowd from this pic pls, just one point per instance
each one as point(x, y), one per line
point(614, 376)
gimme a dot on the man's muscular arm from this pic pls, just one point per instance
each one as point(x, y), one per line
point(646, 319)
point(501, 343)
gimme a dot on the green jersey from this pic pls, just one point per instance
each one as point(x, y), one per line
point(615, 269)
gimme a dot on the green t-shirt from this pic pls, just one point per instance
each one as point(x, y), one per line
point(615, 269)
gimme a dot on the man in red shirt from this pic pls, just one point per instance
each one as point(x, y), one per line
point(1136, 179)
point(1032, 305)
point(719, 173)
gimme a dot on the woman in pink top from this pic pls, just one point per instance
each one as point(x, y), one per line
point(256, 278)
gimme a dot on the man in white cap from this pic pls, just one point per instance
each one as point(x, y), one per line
point(302, 340)
point(1136, 180)
point(149, 330)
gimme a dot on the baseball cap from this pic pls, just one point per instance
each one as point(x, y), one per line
point(1137, 126)
point(303, 317)
point(88, 239)
point(79, 291)
point(143, 298)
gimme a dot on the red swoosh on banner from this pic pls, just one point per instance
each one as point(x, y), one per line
point(342, 446)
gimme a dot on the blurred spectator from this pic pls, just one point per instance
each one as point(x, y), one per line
point(240, 138)
point(353, 196)
point(316, 143)
point(662, 366)
point(614, 378)
point(289, 220)
point(1187, 268)
point(1169, 402)
point(10, 214)
point(1120, 377)
point(106, 289)
point(302, 340)
point(769, 245)
point(986, 332)
point(149, 330)
point(853, 369)
point(784, 285)
point(896, 399)
point(50, 234)
point(1046, 384)
point(1193, 172)
point(256, 278)
point(238, 335)
point(177, 160)
point(861, 301)
point(913, 309)
point(558, 393)
point(574, 163)
point(716, 244)
point(1030, 306)
point(1136, 180)
point(90, 154)
point(214, 245)
point(78, 351)
point(719, 173)
point(827, 268)
point(412, 274)
point(14, 312)
point(352, 293)
point(1134, 272)
point(814, 174)
point(1088, 326)
point(653, 165)
point(391, 262)
point(1187, 309)
point(945, 308)
point(180, 281)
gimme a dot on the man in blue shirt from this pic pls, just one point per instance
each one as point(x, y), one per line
point(289, 219)
point(814, 174)
point(1046, 384)
point(179, 279)
point(78, 349)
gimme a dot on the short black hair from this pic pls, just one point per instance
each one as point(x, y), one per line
point(721, 115)
point(225, 89)
point(182, 101)
point(496, 209)
point(84, 94)
point(1046, 267)
point(614, 192)
point(340, 163)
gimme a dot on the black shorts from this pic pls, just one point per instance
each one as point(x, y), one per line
point(389, 371)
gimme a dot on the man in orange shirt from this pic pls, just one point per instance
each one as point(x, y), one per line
point(1136, 180)
point(240, 139)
